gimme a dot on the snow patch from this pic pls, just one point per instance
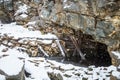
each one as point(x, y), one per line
point(31, 23)
point(37, 72)
point(116, 74)
point(11, 65)
point(22, 9)
point(2, 77)
point(24, 15)
point(20, 32)
point(111, 68)
point(12, 52)
point(39, 67)
point(116, 53)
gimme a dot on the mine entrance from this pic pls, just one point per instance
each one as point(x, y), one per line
point(75, 43)
point(95, 52)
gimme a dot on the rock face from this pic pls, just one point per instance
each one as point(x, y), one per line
point(98, 18)
point(4, 17)
point(101, 19)
point(12, 72)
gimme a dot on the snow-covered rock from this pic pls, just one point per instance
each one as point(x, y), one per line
point(10, 64)
point(36, 72)
point(22, 9)
point(2, 77)
point(15, 63)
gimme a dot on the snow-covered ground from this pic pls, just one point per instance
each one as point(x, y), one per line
point(12, 61)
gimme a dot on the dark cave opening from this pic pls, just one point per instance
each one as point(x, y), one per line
point(95, 52)
point(98, 56)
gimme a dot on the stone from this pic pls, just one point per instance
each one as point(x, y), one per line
point(98, 18)
point(55, 76)
point(115, 58)
point(4, 17)
point(73, 20)
point(44, 13)
point(11, 75)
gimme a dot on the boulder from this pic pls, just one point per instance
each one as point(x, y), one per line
point(13, 72)
point(55, 76)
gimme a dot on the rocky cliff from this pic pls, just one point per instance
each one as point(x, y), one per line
point(98, 19)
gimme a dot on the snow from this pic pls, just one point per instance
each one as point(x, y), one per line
point(22, 9)
point(111, 68)
point(67, 67)
point(40, 70)
point(12, 59)
point(64, 0)
point(31, 23)
point(2, 77)
point(116, 74)
point(12, 52)
point(116, 53)
point(119, 67)
point(15, 65)
point(67, 6)
point(20, 32)
point(24, 15)
point(39, 67)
